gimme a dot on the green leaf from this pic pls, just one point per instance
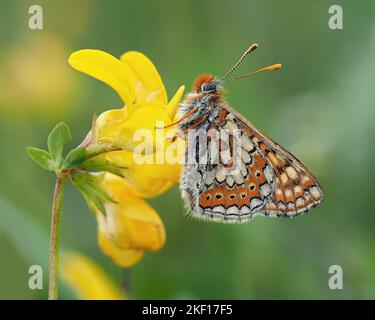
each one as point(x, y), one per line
point(58, 137)
point(41, 157)
point(98, 164)
point(74, 158)
point(91, 189)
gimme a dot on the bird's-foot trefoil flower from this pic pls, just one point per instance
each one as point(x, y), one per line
point(87, 279)
point(105, 167)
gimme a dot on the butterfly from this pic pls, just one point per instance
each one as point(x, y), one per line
point(266, 180)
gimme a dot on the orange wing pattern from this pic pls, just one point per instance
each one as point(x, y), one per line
point(270, 180)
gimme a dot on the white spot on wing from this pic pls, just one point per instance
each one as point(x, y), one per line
point(210, 176)
point(243, 169)
point(292, 173)
point(291, 209)
point(284, 178)
point(232, 210)
point(315, 193)
point(268, 173)
point(255, 202)
point(288, 193)
point(245, 210)
point(231, 126)
point(238, 178)
point(218, 209)
point(265, 190)
point(230, 181)
point(245, 156)
point(220, 174)
point(246, 143)
point(307, 196)
point(225, 156)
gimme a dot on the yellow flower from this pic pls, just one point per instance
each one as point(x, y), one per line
point(130, 225)
point(148, 179)
point(136, 80)
point(87, 279)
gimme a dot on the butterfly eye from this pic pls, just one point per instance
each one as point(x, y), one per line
point(208, 87)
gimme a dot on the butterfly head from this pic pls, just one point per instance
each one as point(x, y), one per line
point(206, 83)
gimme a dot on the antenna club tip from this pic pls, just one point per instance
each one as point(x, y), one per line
point(252, 47)
point(278, 66)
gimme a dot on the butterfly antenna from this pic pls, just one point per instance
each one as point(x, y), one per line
point(249, 50)
point(276, 66)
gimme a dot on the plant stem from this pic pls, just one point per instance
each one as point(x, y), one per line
point(126, 282)
point(55, 238)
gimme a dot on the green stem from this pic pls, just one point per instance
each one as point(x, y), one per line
point(55, 238)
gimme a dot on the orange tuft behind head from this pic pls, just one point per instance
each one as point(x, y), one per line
point(202, 79)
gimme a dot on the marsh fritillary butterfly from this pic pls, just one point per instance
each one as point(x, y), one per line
point(267, 179)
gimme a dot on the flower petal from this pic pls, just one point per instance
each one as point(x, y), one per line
point(116, 128)
point(108, 69)
point(108, 128)
point(130, 223)
point(148, 84)
point(143, 120)
point(87, 279)
point(147, 179)
point(175, 101)
point(123, 258)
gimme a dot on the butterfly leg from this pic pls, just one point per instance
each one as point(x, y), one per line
point(182, 134)
point(179, 134)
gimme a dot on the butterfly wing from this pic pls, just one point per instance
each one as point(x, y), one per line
point(296, 190)
point(218, 192)
point(270, 180)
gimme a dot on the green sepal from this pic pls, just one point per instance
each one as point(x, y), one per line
point(91, 189)
point(99, 164)
point(41, 157)
point(74, 158)
point(59, 136)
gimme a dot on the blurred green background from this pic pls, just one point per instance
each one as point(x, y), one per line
point(320, 106)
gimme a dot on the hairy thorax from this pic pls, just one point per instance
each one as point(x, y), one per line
point(202, 106)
